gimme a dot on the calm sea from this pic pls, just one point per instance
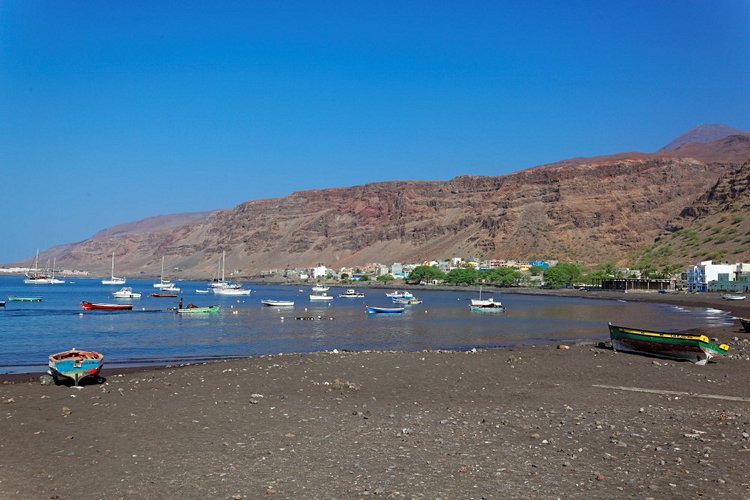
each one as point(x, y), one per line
point(150, 334)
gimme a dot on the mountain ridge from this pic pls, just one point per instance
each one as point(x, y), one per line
point(582, 209)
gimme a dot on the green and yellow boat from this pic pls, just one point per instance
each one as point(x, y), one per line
point(671, 345)
point(198, 310)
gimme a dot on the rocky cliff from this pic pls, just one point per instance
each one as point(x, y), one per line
point(585, 210)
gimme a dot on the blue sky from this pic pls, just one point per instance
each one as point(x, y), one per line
point(115, 111)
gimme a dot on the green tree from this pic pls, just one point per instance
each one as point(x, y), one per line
point(562, 275)
point(502, 276)
point(385, 278)
point(536, 270)
point(425, 273)
point(462, 276)
point(344, 276)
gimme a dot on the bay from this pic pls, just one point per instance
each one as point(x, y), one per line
point(152, 334)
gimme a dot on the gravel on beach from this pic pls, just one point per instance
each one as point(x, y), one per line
point(548, 421)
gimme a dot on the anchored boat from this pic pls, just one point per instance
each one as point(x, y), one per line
point(106, 307)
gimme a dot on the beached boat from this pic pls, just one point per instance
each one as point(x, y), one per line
point(492, 306)
point(191, 309)
point(672, 345)
point(106, 307)
point(126, 293)
point(745, 324)
point(351, 294)
point(277, 303)
point(384, 310)
point(406, 302)
point(164, 295)
point(113, 280)
point(731, 296)
point(15, 298)
point(75, 365)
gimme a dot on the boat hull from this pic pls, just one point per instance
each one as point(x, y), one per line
point(88, 306)
point(745, 324)
point(164, 295)
point(198, 310)
point(12, 298)
point(277, 303)
point(384, 310)
point(75, 365)
point(232, 292)
point(496, 308)
point(678, 346)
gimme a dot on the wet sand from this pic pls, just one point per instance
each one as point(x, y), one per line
point(534, 422)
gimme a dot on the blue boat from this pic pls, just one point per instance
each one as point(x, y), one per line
point(384, 310)
point(75, 365)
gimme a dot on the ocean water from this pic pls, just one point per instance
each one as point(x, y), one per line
point(152, 334)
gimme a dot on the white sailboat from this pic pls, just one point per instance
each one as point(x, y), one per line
point(113, 280)
point(480, 302)
point(37, 277)
point(224, 287)
point(165, 285)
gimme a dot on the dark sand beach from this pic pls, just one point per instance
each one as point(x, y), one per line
point(535, 422)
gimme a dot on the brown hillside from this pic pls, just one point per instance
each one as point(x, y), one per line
point(584, 211)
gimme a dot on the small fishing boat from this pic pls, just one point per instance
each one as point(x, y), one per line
point(384, 310)
point(399, 294)
point(351, 294)
point(490, 306)
point(192, 309)
point(320, 289)
point(277, 303)
point(406, 302)
point(731, 296)
point(745, 324)
point(15, 298)
point(320, 297)
point(164, 295)
point(671, 345)
point(75, 365)
point(126, 293)
point(201, 291)
point(2, 303)
point(106, 307)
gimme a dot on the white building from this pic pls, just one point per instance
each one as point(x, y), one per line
point(319, 272)
point(700, 274)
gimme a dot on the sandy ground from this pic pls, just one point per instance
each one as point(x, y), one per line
point(536, 422)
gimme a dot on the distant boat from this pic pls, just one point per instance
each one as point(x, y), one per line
point(164, 295)
point(75, 365)
point(731, 296)
point(492, 306)
point(680, 345)
point(126, 293)
point(351, 294)
point(113, 280)
point(232, 291)
point(106, 307)
point(399, 294)
point(406, 302)
point(36, 276)
point(190, 309)
point(277, 303)
point(201, 291)
point(480, 302)
point(320, 288)
point(319, 294)
point(162, 284)
point(384, 310)
point(14, 298)
point(2, 303)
